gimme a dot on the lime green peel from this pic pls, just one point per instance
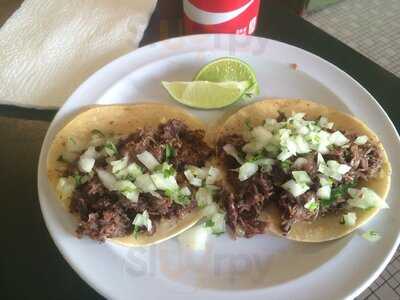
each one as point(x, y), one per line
point(207, 94)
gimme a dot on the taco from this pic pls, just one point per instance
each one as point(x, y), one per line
point(129, 172)
point(301, 170)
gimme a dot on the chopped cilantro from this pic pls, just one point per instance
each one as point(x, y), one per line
point(169, 152)
point(337, 193)
point(135, 231)
point(178, 197)
point(248, 124)
point(209, 223)
point(110, 148)
point(285, 165)
point(98, 132)
point(255, 157)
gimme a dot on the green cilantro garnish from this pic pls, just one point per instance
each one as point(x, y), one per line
point(98, 132)
point(135, 231)
point(256, 157)
point(337, 193)
point(177, 197)
point(248, 124)
point(72, 140)
point(285, 165)
point(78, 179)
point(110, 148)
point(209, 223)
point(169, 152)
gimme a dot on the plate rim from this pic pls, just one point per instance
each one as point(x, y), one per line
point(108, 67)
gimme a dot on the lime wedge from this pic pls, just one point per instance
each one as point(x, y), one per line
point(230, 69)
point(206, 94)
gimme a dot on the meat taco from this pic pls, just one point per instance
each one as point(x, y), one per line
point(300, 169)
point(128, 172)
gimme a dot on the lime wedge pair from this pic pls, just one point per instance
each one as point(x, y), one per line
point(218, 84)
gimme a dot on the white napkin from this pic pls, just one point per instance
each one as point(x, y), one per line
point(48, 48)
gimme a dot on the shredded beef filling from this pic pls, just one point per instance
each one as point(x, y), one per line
point(106, 214)
point(245, 200)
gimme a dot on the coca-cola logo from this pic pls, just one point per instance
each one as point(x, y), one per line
point(212, 13)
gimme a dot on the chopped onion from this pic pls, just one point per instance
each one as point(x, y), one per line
point(253, 147)
point(218, 223)
point(143, 220)
point(301, 177)
point(203, 197)
point(299, 162)
point(261, 135)
point(311, 205)
point(134, 170)
point(186, 191)
point(247, 170)
point(198, 172)
point(231, 150)
point(193, 180)
point(265, 164)
point(118, 165)
point(365, 199)
point(333, 169)
point(337, 138)
point(350, 219)
point(324, 123)
point(210, 209)
point(320, 159)
point(301, 145)
point(144, 183)
point(87, 160)
point(325, 180)
point(148, 160)
point(86, 164)
point(107, 179)
point(284, 155)
point(361, 140)
point(371, 236)
point(296, 189)
point(164, 183)
point(214, 174)
point(128, 189)
point(324, 192)
point(65, 187)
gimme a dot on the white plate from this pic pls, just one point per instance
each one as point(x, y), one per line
point(264, 267)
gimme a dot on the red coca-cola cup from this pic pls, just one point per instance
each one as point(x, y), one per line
point(222, 16)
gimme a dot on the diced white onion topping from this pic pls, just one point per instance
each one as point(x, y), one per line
point(231, 150)
point(164, 183)
point(333, 169)
point(218, 221)
point(324, 192)
point(203, 197)
point(361, 140)
point(107, 179)
point(144, 183)
point(265, 164)
point(210, 209)
point(337, 138)
point(118, 165)
point(198, 172)
point(86, 164)
point(252, 147)
point(299, 162)
point(214, 174)
point(247, 170)
point(350, 219)
point(134, 170)
point(325, 180)
point(311, 205)
point(65, 187)
point(296, 189)
point(193, 180)
point(301, 177)
point(87, 160)
point(261, 135)
point(128, 189)
point(143, 220)
point(148, 160)
point(365, 198)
